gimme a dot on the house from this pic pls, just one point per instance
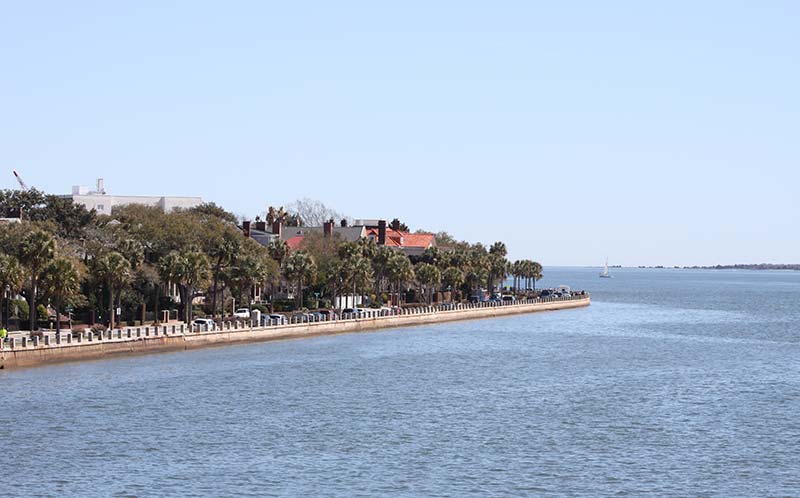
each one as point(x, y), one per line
point(411, 244)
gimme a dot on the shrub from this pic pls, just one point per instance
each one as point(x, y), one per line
point(261, 307)
point(97, 328)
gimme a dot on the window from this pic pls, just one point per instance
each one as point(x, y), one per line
point(99, 207)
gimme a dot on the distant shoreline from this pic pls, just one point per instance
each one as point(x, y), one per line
point(760, 267)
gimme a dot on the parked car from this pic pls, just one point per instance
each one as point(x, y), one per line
point(278, 319)
point(327, 314)
point(301, 318)
point(242, 313)
point(203, 324)
point(352, 312)
point(509, 299)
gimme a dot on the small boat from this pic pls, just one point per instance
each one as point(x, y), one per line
point(604, 273)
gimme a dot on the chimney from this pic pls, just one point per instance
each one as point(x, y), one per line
point(277, 228)
point(327, 228)
point(396, 225)
point(381, 232)
point(101, 189)
point(261, 225)
point(246, 228)
point(343, 223)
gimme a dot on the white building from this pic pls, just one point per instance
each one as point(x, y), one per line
point(102, 202)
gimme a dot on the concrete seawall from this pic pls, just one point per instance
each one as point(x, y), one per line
point(173, 340)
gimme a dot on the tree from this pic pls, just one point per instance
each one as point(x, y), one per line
point(61, 281)
point(211, 209)
point(356, 263)
point(453, 278)
point(278, 250)
point(396, 224)
point(498, 264)
point(226, 245)
point(23, 200)
point(311, 213)
point(380, 263)
point(275, 214)
point(399, 271)
point(476, 266)
point(429, 277)
point(115, 270)
point(145, 285)
point(532, 271)
point(37, 249)
point(359, 272)
point(498, 248)
point(195, 274)
point(251, 267)
point(70, 219)
point(299, 267)
point(11, 278)
point(189, 270)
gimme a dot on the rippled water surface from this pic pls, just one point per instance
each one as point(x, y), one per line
point(673, 383)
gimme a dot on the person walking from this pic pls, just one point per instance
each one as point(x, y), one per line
point(3, 334)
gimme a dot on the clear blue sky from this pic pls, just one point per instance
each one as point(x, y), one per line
point(651, 134)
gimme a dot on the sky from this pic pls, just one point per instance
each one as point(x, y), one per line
point(574, 131)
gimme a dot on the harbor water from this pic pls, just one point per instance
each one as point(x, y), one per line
point(673, 383)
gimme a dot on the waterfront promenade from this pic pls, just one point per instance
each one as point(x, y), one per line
point(136, 340)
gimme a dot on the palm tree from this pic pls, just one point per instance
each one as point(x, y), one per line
point(115, 270)
point(170, 269)
point(36, 250)
point(146, 284)
point(278, 250)
point(195, 274)
point(274, 215)
point(380, 262)
point(498, 248)
point(223, 254)
point(360, 271)
point(453, 278)
point(534, 272)
point(11, 279)
point(400, 272)
point(247, 272)
point(299, 267)
point(516, 270)
point(189, 270)
point(498, 269)
point(61, 281)
point(429, 277)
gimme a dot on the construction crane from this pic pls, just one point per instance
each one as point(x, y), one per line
point(19, 180)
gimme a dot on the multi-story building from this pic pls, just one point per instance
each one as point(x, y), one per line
point(103, 202)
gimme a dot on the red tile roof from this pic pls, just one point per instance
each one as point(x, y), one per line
point(394, 238)
point(295, 242)
point(397, 238)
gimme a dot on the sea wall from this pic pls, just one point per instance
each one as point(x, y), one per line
point(174, 338)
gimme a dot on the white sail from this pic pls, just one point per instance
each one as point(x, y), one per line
point(604, 273)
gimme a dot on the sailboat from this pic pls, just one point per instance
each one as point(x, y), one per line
point(604, 273)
